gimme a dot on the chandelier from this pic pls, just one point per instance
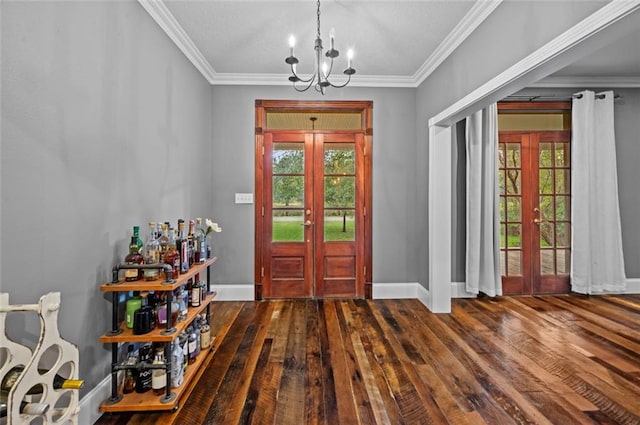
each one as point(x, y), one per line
point(323, 68)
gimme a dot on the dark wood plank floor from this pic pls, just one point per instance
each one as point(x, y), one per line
point(543, 360)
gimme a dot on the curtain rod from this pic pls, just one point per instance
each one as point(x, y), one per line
point(542, 98)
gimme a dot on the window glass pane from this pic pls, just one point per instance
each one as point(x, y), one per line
point(513, 182)
point(339, 158)
point(287, 226)
point(503, 235)
point(513, 155)
point(546, 262)
point(339, 225)
point(503, 263)
point(562, 155)
point(514, 235)
point(288, 191)
point(501, 181)
point(563, 261)
point(563, 204)
point(514, 263)
point(501, 155)
point(563, 236)
point(513, 209)
point(546, 154)
point(288, 158)
point(546, 181)
point(562, 181)
point(340, 192)
point(546, 234)
point(502, 209)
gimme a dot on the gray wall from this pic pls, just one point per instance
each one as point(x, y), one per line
point(394, 180)
point(510, 33)
point(105, 124)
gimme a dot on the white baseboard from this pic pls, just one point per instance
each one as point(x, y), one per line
point(633, 286)
point(89, 405)
point(458, 290)
point(395, 290)
point(244, 292)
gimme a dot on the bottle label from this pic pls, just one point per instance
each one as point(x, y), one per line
point(195, 296)
point(131, 273)
point(143, 383)
point(192, 348)
point(205, 340)
point(159, 380)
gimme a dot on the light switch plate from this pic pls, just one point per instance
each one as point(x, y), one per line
point(244, 198)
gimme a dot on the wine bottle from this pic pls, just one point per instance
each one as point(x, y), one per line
point(35, 409)
point(205, 332)
point(159, 376)
point(59, 382)
point(182, 245)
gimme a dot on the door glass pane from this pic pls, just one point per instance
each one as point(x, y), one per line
point(288, 191)
point(513, 208)
point(501, 155)
point(563, 238)
point(502, 209)
point(288, 158)
point(514, 263)
point(287, 226)
point(339, 225)
point(339, 192)
point(503, 236)
point(547, 236)
point(501, 181)
point(562, 208)
point(563, 261)
point(503, 263)
point(513, 155)
point(546, 155)
point(514, 235)
point(562, 155)
point(546, 207)
point(546, 181)
point(339, 158)
point(562, 181)
point(546, 262)
point(513, 182)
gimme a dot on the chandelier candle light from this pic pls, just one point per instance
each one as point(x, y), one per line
point(320, 77)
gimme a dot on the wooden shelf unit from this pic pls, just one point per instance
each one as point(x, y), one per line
point(149, 401)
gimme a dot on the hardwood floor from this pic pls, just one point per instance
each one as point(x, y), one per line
point(544, 360)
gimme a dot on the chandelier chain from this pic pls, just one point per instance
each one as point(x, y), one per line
point(318, 19)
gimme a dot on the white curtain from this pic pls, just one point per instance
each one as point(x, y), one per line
point(597, 264)
point(483, 226)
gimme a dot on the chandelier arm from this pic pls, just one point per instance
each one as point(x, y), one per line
point(310, 79)
point(339, 86)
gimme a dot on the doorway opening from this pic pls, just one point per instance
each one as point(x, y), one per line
point(313, 197)
point(534, 172)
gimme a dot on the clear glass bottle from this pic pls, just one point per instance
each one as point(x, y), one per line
point(133, 258)
point(163, 238)
point(177, 369)
point(151, 253)
point(130, 374)
point(182, 245)
point(159, 376)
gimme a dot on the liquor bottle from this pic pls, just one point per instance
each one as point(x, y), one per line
point(159, 376)
point(195, 293)
point(32, 409)
point(130, 374)
point(136, 234)
point(192, 344)
point(171, 256)
point(163, 239)
point(134, 258)
point(59, 382)
point(143, 381)
point(151, 253)
point(197, 325)
point(182, 245)
point(205, 332)
point(191, 243)
point(183, 340)
point(177, 369)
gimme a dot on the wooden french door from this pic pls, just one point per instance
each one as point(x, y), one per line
point(535, 201)
point(313, 233)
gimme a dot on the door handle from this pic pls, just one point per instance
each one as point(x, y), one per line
point(307, 223)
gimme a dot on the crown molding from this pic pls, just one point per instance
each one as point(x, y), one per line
point(586, 82)
point(166, 20)
point(238, 79)
point(474, 17)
